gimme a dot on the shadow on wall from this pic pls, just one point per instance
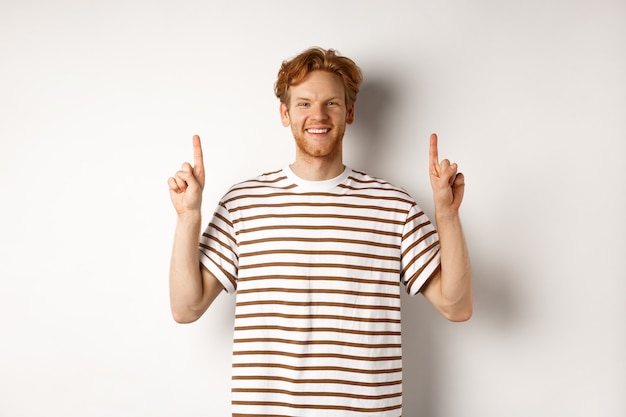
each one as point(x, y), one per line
point(494, 296)
point(374, 143)
point(424, 382)
point(423, 327)
point(367, 151)
point(419, 357)
point(374, 102)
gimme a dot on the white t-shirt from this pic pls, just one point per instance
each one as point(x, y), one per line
point(317, 268)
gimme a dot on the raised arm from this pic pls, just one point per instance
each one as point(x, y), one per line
point(450, 290)
point(192, 288)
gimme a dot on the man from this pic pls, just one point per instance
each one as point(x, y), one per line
point(316, 253)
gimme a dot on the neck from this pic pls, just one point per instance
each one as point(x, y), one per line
point(317, 169)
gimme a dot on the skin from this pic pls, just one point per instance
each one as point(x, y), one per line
point(192, 288)
point(318, 115)
point(450, 289)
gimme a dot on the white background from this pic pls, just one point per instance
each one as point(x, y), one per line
point(98, 103)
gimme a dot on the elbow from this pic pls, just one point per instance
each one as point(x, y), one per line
point(459, 316)
point(184, 316)
point(458, 312)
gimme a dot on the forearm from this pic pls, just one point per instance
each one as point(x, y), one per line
point(450, 290)
point(186, 286)
point(455, 284)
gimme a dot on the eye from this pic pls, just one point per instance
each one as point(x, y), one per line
point(303, 104)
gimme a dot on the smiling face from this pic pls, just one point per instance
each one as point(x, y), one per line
point(317, 113)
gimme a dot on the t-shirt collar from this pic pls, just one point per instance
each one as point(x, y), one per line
point(324, 185)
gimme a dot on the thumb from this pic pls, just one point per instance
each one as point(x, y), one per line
point(459, 186)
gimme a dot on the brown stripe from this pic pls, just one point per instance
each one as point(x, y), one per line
point(415, 229)
point(313, 394)
point(318, 329)
point(319, 342)
point(319, 265)
point(222, 231)
point(393, 282)
point(298, 227)
point(222, 218)
point(384, 189)
point(325, 252)
point(318, 216)
point(317, 368)
point(412, 280)
point(318, 355)
point(216, 240)
point(218, 253)
point(319, 291)
point(315, 407)
point(247, 185)
point(230, 277)
point(319, 316)
point(317, 381)
point(260, 181)
point(305, 204)
point(417, 242)
point(314, 194)
point(317, 304)
point(263, 184)
point(419, 255)
point(321, 240)
point(370, 180)
point(415, 216)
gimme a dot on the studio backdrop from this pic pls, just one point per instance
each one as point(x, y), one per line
point(98, 104)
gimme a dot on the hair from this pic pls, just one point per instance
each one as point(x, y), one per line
point(293, 71)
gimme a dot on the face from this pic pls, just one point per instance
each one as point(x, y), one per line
point(318, 115)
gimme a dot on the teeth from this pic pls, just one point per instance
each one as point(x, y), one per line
point(317, 130)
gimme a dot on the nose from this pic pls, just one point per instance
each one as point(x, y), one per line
point(319, 112)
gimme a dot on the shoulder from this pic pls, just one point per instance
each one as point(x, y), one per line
point(361, 181)
point(270, 178)
point(260, 184)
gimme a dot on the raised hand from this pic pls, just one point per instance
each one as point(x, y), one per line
point(187, 184)
point(447, 183)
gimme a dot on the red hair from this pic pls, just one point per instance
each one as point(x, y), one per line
point(293, 71)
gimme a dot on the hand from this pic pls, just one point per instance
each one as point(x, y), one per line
point(448, 185)
point(187, 184)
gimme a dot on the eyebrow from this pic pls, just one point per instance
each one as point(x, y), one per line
point(337, 98)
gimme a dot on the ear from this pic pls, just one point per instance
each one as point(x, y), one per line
point(284, 115)
point(350, 114)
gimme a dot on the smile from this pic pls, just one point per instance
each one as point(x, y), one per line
point(317, 131)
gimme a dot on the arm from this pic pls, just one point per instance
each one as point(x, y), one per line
point(450, 289)
point(192, 288)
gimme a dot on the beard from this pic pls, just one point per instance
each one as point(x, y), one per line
point(324, 146)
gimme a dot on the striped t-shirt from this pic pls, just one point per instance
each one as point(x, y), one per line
point(317, 268)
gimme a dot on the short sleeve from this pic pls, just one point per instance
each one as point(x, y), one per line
point(218, 249)
point(420, 257)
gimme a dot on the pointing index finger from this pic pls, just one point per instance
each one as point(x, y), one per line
point(434, 154)
point(198, 160)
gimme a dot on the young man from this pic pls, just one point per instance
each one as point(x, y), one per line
point(316, 253)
